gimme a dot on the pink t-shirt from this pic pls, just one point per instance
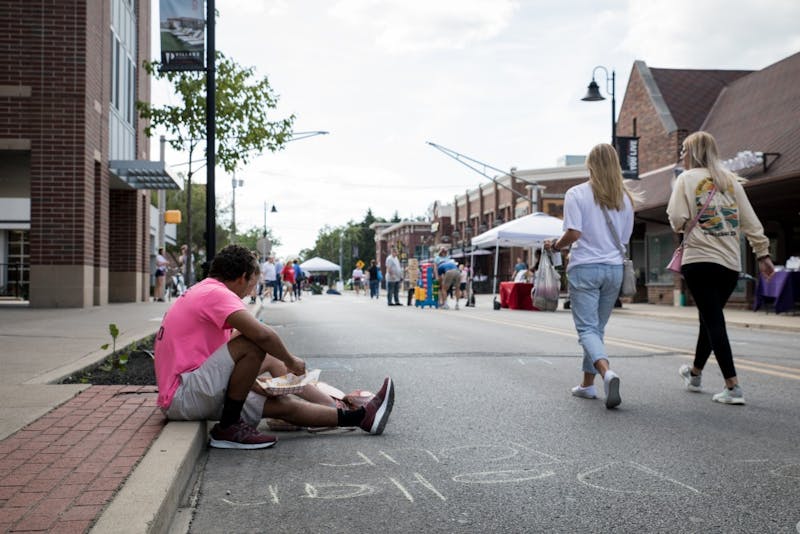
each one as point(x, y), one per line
point(192, 330)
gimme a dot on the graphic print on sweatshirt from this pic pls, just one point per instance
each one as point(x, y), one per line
point(721, 217)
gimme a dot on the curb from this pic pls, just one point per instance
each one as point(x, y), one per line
point(152, 494)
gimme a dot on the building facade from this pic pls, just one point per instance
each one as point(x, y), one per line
point(74, 175)
point(748, 112)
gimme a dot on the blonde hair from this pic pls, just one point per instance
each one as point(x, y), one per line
point(605, 177)
point(703, 152)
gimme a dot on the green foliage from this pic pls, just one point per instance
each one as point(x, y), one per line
point(357, 243)
point(243, 103)
point(116, 361)
point(251, 236)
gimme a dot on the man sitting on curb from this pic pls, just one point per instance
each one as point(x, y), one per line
point(205, 373)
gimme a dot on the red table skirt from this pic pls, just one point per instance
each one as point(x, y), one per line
point(516, 296)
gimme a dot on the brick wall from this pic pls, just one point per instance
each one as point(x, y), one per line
point(657, 147)
point(43, 46)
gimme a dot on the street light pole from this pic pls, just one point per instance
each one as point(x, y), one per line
point(235, 183)
point(211, 132)
point(593, 95)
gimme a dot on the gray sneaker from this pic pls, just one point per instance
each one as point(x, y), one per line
point(692, 382)
point(730, 396)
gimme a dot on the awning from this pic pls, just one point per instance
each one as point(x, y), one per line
point(140, 174)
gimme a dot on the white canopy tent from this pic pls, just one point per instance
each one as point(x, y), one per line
point(527, 231)
point(320, 265)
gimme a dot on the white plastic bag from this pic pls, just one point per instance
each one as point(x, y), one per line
point(546, 285)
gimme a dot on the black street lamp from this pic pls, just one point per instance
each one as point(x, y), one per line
point(593, 95)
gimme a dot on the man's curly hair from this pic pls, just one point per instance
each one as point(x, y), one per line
point(232, 262)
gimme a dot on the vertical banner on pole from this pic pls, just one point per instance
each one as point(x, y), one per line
point(183, 33)
point(628, 151)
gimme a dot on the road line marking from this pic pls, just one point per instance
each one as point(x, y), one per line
point(545, 361)
point(770, 365)
point(520, 361)
point(273, 490)
point(767, 371)
point(402, 489)
point(793, 373)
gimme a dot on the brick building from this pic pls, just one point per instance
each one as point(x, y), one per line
point(74, 180)
point(746, 111)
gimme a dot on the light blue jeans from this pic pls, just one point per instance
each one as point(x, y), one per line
point(593, 290)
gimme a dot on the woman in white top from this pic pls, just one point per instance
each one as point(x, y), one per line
point(595, 262)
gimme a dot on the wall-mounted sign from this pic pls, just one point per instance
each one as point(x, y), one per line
point(628, 151)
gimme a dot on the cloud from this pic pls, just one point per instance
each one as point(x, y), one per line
point(402, 26)
point(692, 34)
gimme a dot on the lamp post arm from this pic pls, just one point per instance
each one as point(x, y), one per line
point(611, 82)
point(458, 157)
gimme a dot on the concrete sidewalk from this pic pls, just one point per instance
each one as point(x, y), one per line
point(73, 456)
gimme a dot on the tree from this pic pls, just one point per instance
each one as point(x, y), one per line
point(357, 242)
point(242, 106)
point(251, 236)
point(242, 124)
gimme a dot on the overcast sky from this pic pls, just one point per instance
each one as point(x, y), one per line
point(500, 81)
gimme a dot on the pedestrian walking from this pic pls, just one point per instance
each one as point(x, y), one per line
point(373, 279)
point(161, 275)
point(277, 295)
point(712, 195)
point(595, 262)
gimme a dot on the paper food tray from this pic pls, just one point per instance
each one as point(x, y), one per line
point(286, 384)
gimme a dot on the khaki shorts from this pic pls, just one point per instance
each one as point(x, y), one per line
point(450, 279)
point(201, 392)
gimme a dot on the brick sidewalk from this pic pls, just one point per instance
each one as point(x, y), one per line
point(59, 472)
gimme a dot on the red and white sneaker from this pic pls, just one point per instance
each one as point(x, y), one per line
point(240, 436)
point(378, 409)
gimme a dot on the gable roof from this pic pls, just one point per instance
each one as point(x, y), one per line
point(689, 94)
point(682, 98)
point(761, 112)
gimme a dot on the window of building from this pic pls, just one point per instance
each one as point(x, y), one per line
point(16, 271)
point(659, 252)
point(122, 116)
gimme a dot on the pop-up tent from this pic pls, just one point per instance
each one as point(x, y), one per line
point(527, 231)
point(320, 265)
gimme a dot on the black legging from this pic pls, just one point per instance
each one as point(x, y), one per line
point(711, 285)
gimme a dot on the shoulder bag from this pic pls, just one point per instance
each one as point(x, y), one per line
point(628, 274)
point(675, 263)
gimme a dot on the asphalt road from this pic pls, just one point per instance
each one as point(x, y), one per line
point(485, 436)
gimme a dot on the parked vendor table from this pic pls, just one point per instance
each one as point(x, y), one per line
point(782, 290)
point(516, 295)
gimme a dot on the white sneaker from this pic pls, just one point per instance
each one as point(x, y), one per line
point(611, 382)
point(445, 307)
point(456, 305)
point(730, 396)
point(692, 382)
point(585, 392)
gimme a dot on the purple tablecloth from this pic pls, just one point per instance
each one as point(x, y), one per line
point(783, 288)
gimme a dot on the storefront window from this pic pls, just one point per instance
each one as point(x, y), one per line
point(659, 251)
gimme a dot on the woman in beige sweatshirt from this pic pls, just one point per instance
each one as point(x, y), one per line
point(711, 256)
